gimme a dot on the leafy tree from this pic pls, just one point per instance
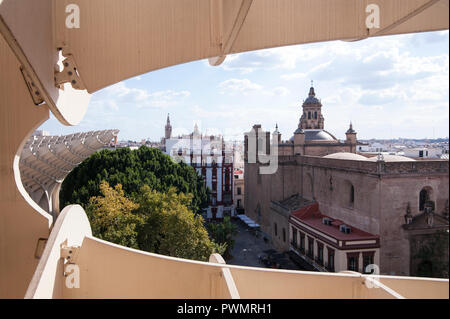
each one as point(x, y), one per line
point(157, 222)
point(112, 218)
point(171, 228)
point(132, 169)
point(223, 233)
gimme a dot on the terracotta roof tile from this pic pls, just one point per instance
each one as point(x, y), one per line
point(311, 216)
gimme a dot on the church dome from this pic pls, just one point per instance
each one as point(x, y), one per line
point(346, 156)
point(392, 158)
point(311, 99)
point(316, 135)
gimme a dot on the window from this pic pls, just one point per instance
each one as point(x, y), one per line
point(238, 203)
point(367, 260)
point(275, 229)
point(284, 235)
point(420, 153)
point(309, 115)
point(352, 195)
point(214, 172)
point(352, 261)
point(423, 197)
point(310, 247)
point(302, 242)
point(294, 237)
point(330, 259)
point(320, 253)
point(239, 191)
point(315, 115)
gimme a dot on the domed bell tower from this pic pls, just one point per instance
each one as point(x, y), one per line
point(312, 117)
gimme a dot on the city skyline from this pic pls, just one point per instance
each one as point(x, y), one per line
point(388, 87)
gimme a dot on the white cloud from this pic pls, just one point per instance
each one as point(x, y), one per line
point(120, 94)
point(243, 86)
point(281, 91)
point(246, 87)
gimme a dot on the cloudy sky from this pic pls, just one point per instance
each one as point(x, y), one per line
point(389, 87)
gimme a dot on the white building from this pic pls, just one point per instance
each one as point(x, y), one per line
point(423, 152)
point(210, 158)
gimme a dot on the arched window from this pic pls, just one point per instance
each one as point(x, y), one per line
point(309, 115)
point(423, 197)
point(352, 194)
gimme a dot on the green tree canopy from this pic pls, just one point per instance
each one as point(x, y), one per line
point(171, 228)
point(159, 222)
point(112, 218)
point(132, 169)
point(223, 233)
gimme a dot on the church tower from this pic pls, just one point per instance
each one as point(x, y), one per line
point(351, 138)
point(312, 117)
point(168, 129)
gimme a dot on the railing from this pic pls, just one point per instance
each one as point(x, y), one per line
point(108, 270)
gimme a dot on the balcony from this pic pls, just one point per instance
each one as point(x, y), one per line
point(106, 270)
point(147, 275)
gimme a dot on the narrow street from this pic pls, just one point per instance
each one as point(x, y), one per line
point(248, 248)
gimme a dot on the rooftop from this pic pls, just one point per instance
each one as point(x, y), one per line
point(346, 156)
point(392, 158)
point(311, 216)
point(294, 202)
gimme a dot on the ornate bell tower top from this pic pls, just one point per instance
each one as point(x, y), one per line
point(168, 128)
point(312, 117)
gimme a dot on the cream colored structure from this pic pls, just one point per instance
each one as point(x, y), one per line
point(46, 160)
point(46, 65)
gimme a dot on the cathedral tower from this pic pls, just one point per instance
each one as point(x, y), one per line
point(312, 117)
point(168, 129)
